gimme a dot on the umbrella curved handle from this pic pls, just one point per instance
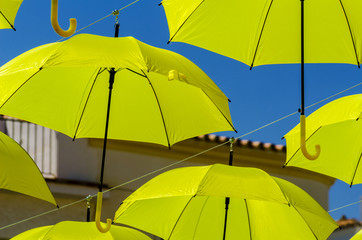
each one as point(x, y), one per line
point(302, 142)
point(98, 215)
point(55, 24)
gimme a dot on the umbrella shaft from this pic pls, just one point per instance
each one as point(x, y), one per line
point(302, 57)
point(227, 202)
point(112, 73)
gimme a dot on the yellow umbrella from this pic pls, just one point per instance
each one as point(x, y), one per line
point(259, 32)
point(8, 11)
point(224, 202)
point(158, 96)
point(71, 230)
point(357, 236)
point(19, 173)
point(336, 125)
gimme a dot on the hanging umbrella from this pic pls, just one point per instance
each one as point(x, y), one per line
point(19, 173)
point(224, 202)
point(263, 32)
point(357, 236)
point(71, 230)
point(337, 125)
point(157, 96)
point(8, 11)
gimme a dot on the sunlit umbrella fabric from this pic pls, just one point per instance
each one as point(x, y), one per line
point(260, 32)
point(264, 32)
point(19, 173)
point(338, 127)
point(189, 203)
point(357, 236)
point(71, 230)
point(64, 86)
point(8, 11)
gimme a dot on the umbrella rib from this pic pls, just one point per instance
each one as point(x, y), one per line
point(185, 21)
point(220, 111)
point(159, 107)
point(8, 21)
point(355, 171)
point(198, 220)
point(247, 212)
point(299, 148)
point(350, 32)
point(261, 33)
point(178, 219)
point(86, 102)
point(21, 86)
point(144, 75)
point(305, 222)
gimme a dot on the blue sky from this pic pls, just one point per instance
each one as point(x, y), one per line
point(258, 97)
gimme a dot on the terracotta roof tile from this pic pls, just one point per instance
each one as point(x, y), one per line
point(345, 222)
point(243, 143)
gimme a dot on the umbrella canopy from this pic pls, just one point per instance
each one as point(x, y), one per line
point(8, 11)
point(263, 32)
point(71, 230)
point(191, 203)
point(272, 32)
point(19, 173)
point(158, 96)
point(357, 236)
point(338, 127)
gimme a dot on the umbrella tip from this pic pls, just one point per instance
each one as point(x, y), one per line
point(160, 4)
point(58, 206)
point(168, 42)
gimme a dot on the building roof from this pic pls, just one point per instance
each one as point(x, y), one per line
point(345, 222)
point(243, 143)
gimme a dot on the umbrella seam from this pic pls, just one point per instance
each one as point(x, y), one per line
point(185, 21)
point(8, 21)
point(21, 86)
point(159, 107)
point(350, 31)
point(198, 221)
point(260, 35)
point(36, 166)
point(305, 221)
point(178, 219)
point(219, 110)
point(299, 148)
point(86, 102)
point(355, 171)
point(247, 212)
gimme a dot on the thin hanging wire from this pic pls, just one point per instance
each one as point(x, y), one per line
point(348, 205)
point(101, 19)
point(186, 159)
